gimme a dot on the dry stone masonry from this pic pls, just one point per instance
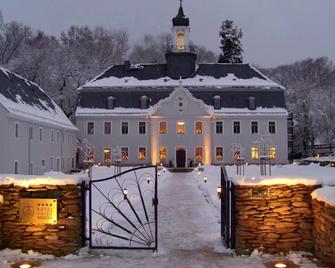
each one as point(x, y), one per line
point(60, 239)
point(274, 218)
point(324, 232)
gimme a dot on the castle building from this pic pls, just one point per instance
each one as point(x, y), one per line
point(182, 113)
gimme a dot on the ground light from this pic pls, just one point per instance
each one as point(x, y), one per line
point(219, 192)
point(25, 264)
point(280, 265)
point(205, 179)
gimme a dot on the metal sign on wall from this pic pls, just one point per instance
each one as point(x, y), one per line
point(38, 211)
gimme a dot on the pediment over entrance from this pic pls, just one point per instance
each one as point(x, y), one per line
point(181, 102)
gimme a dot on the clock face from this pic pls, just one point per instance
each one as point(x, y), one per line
point(180, 40)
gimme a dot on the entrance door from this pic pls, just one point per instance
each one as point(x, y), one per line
point(181, 157)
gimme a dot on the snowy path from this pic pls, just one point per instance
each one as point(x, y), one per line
point(189, 236)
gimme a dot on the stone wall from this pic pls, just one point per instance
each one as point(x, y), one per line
point(274, 218)
point(324, 232)
point(60, 239)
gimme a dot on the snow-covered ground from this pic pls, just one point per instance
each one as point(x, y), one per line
point(189, 232)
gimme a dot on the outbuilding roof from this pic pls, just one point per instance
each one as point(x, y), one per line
point(25, 99)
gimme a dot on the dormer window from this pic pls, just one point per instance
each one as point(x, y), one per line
point(144, 102)
point(180, 41)
point(217, 102)
point(111, 102)
point(252, 103)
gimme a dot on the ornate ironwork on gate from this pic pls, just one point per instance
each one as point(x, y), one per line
point(123, 210)
point(227, 210)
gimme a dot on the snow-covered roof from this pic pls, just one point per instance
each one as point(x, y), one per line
point(49, 178)
point(230, 80)
point(26, 100)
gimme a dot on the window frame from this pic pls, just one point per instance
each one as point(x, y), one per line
point(145, 153)
point(216, 127)
point(121, 149)
point(202, 154)
point(216, 153)
point(255, 151)
point(166, 128)
point(110, 155)
point(87, 128)
point(139, 127)
point(233, 128)
point(17, 130)
point(121, 127)
point(274, 127)
point(184, 128)
point(166, 153)
point(195, 127)
point(251, 127)
point(104, 128)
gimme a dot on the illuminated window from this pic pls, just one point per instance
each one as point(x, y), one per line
point(254, 127)
point(272, 153)
point(198, 127)
point(272, 127)
point(219, 153)
point(162, 127)
point(162, 153)
point(124, 153)
point(198, 154)
point(181, 127)
point(90, 154)
point(90, 128)
point(254, 153)
point(108, 128)
point(180, 40)
point(141, 153)
point(107, 155)
point(219, 127)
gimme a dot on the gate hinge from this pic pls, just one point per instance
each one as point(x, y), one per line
point(155, 202)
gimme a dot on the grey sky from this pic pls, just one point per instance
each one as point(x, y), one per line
point(275, 31)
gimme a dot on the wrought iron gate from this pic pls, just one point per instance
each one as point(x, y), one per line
point(227, 210)
point(123, 210)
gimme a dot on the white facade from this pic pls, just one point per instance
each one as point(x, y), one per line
point(36, 136)
point(198, 138)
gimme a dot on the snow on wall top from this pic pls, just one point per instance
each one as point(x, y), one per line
point(287, 174)
point(26, 99)
point(325, 194)
point(49, 178)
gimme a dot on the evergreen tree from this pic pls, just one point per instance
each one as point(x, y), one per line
point(230, 43)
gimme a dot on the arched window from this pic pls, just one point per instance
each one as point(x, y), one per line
point(180, 40)
point(217, 102)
